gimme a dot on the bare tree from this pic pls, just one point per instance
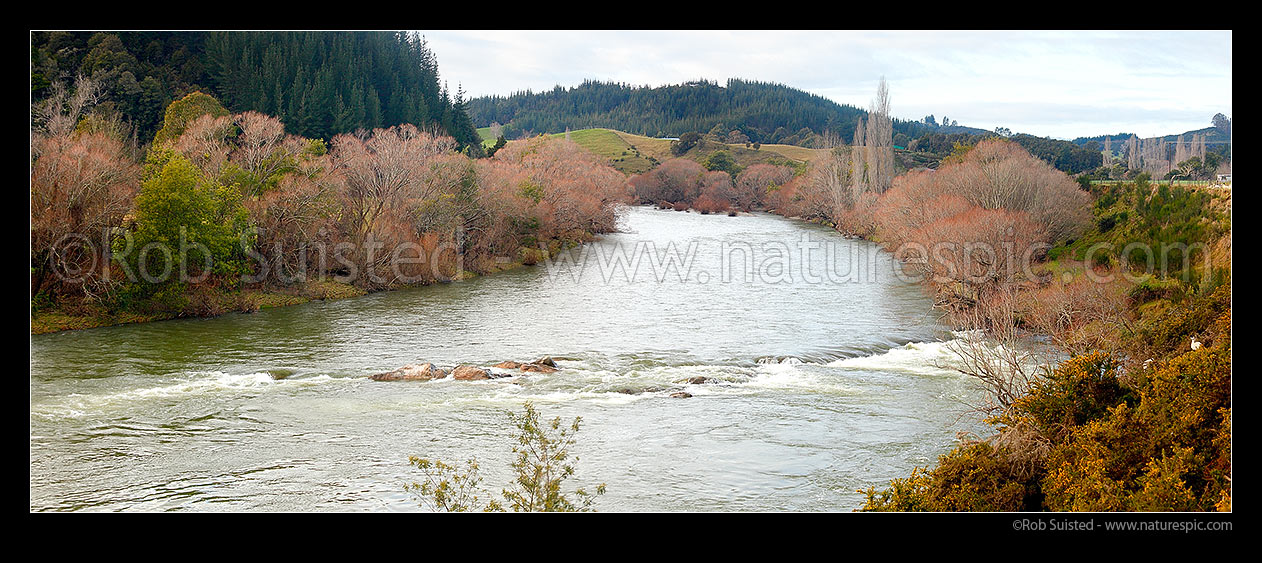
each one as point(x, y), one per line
point(1080, 316)
point(206, 143)
point(378, 180)
point(991, 348)
point(858, 162)
point(999, 174)
point(263, 150)
point(1133, 160)
point(59, 113)
point(1153, 156)
point(880, 141)
point(753, 183)
point(830, 177)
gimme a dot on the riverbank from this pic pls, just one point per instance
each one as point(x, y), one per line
point(210, 303)
point(213, 302)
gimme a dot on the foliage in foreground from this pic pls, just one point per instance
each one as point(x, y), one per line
point(541, 466)
point(1095, 437)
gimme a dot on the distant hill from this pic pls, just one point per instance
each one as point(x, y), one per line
point(762, 112)
point(613, 118)
point(634, 154)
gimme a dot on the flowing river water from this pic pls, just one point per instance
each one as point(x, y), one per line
point(825, 376)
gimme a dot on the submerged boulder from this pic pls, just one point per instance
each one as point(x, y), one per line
point(634, 391)
point(412, 372)
point(680, 395)
point(538, 368)
point(543, 365)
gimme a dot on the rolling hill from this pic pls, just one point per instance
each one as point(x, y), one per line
point(634, 154)
point(761, 112)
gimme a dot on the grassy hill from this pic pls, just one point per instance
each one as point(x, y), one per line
point(629, 156)
point(635, 154)
point(485, 134)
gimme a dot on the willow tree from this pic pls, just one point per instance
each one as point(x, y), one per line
point(82, 185)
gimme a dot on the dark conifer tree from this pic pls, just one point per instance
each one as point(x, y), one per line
point(319, 83)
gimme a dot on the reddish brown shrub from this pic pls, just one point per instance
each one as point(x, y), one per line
point(754, 183)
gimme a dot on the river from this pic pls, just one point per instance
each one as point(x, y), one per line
point(824, 378)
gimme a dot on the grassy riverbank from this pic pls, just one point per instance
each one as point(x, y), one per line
point(212, 302)
point(196, 302)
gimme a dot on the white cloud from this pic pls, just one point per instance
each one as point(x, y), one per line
point(1048, 83)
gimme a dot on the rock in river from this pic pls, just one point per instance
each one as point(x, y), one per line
point(538, 368)
point(412, 372)
point(469, 373)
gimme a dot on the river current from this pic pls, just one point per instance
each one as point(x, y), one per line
point(825, 374)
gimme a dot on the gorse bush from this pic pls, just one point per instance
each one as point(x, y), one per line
point(1095, 437)
point(1165, 453)
point(969, 478)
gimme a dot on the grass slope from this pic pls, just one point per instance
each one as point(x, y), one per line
point(624, 156)
point(1164, 219)
point(635, 154)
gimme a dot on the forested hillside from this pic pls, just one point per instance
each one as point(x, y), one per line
point(747, 111)
point(319, 84)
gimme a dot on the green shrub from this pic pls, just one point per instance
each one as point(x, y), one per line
point(189, 224)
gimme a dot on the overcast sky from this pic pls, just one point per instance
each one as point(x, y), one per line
point(1061, 84)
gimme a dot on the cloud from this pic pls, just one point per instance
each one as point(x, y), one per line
point(1055, 83)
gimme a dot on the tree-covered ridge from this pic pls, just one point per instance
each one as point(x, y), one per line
point(763, 112)
point(319, 83)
